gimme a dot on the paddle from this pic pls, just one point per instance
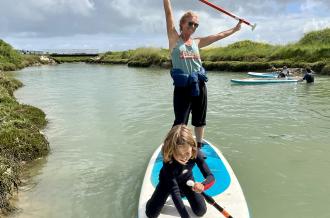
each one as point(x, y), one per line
point(211, 201)
point(228, 13)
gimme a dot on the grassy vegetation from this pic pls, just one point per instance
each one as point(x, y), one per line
point(313, 50)
point(141, 57)
point(12, 60)
point(21, 139)
point(72, 59)
point(9, 58)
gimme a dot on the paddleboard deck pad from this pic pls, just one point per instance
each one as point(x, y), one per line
point(226, 190)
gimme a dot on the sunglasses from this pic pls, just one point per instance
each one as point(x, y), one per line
point(193, 24)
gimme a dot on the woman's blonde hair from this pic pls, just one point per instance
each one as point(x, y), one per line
point(179, 135)
point(185, 16)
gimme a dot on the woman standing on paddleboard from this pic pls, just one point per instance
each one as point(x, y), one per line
point(190, 94)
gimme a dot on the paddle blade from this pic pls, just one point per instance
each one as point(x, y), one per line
point(254, 26)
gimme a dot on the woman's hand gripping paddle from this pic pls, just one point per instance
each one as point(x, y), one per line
point(228, 13)
point(211, 201)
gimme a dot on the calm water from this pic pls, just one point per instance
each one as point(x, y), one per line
point(105, 122)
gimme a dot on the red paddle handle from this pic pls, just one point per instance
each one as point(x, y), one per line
point(225, 12)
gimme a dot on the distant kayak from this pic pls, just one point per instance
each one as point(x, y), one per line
point(264, 80)
point(226, 190)
point(263, 75)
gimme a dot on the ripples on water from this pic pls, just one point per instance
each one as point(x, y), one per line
point(105, 122)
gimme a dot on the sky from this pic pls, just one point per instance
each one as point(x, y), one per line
point(113, 25)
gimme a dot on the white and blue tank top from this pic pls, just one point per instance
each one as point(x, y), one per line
point(186, 57)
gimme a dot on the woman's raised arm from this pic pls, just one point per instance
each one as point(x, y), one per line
point(172, 34)
point(205, 41)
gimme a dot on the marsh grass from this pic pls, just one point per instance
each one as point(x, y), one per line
point(9, 181)
point(20, 138)
point(11, 60)
point(72, 59)
point(141, 57)
point(313, 50)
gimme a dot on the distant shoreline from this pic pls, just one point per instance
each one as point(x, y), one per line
point(313, 51)
point(321, 67)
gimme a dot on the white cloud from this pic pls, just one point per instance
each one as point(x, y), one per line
point(81, 7)
point(124, 7)
point(310, 6)
point(130, 23)
point(316, 24)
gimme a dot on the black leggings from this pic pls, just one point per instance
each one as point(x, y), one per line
point(160, 195)
point(184, 103)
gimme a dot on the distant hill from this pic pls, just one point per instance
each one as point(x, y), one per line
point(248, 44)
point(312, 50)
point(321, 37)
point(239, 51)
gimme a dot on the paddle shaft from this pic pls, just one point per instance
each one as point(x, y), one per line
point(211, 201)
point(225, 12)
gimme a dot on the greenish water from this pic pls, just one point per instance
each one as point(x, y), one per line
point(106, 121)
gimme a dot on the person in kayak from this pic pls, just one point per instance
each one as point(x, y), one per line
point(180, 154)
point(190, 93)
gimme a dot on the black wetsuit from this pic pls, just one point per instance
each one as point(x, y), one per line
point(172, 181)
point(309, 77)
point(281, 75)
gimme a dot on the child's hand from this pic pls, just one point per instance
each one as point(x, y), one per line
point(198, 187)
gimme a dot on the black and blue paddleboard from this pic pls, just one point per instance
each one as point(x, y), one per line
point(226, 190)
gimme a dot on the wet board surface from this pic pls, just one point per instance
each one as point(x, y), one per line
point(226, 190)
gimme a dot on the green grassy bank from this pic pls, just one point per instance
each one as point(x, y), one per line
point(21, 139)
point(72, 59)
point(313, 50)
point(11, 60)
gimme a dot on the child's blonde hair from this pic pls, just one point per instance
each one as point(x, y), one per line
point(179, 135)
point(185, 16)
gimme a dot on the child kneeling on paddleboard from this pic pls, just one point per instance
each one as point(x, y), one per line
point(180, 154)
